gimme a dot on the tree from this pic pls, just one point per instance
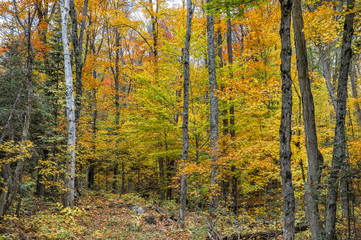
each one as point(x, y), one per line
point(286, 119)
point(214, 198)
point(69, 183)
point(314, 156)
point(339, 156)
point(78, 49)
point(186, 77)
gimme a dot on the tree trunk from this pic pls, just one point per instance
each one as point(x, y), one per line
point(214, 191)
point(154, 22)
point(170, 173)
point(161, 178)
point(232, 129)
point(315, 159)
point(186, 76)
point(286, 118)
point(339, 157)
point(115, 178)
point(68, 200)
point(116, 78)
point(78, 49)
point(94, 109)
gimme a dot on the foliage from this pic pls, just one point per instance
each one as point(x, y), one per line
point(129, 132)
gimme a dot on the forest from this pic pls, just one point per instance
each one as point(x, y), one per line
point(180, 119)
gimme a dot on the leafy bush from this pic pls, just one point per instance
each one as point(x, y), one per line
point(56, 223)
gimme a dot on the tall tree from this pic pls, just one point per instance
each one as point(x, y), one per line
point(69, 183)
point(77, 40)
point(339, 156)
point(232, 129)
point(285, 128)
point(314, 156)
point(214, 198)
point(186, 77)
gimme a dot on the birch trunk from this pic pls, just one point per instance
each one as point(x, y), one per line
point(339, 157)
point(183, 190)
point(315, 159)
point(285, 128)
point(68, 200)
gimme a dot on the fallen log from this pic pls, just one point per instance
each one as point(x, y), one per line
point(262, 235)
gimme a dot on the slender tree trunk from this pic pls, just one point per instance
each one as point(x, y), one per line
point(339, 157)
point(186, 76)
point(232, 129)
point(70, 110)
point(286, 118)
point(214, 194)
point(116, 78)
point(123, 178)
point(116, 75)
point(315, 159)
point(94, 110)
point(170, 173)
point(117, 103)
point(78, 49)
point(154, 22)
point(161, 178)
point(224, 113)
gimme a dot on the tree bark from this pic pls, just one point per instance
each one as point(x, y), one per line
point(286, 118)
point(223, 114)
point(315, 159)
point(185, 132)
point(69, 183)
point(339, 157)
point(78, 49)
point(214, 191)
point(232, 131)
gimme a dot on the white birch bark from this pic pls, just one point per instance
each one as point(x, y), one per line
point(68, 200)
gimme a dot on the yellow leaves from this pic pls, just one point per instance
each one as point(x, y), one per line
point(258, 35)
point(47, 169)
point(15, 151)
point(321, 25)
point(56, 223)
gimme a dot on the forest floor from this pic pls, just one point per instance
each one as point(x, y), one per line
point(106, 216)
